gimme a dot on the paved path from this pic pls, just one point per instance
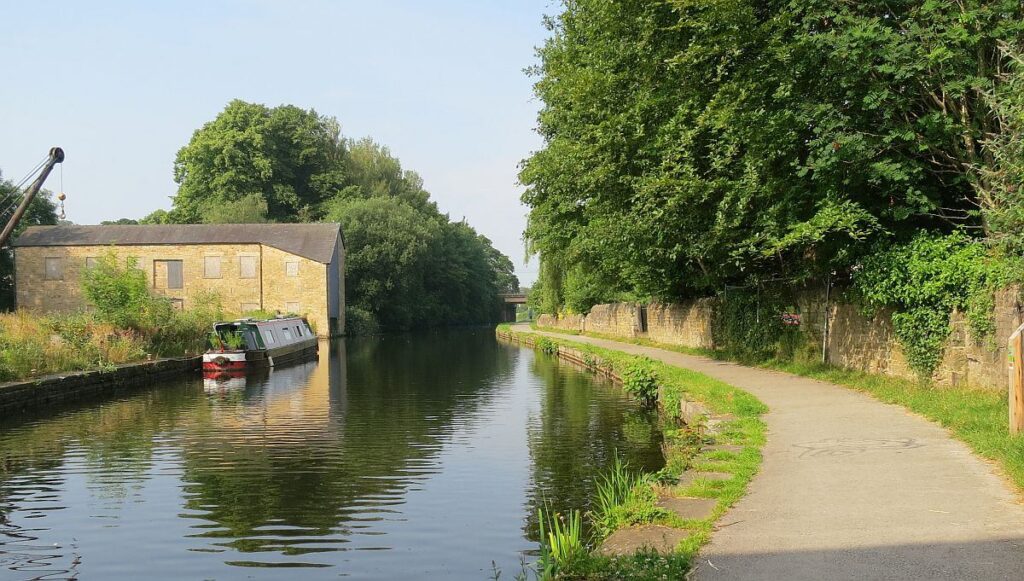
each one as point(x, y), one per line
point(852, 488)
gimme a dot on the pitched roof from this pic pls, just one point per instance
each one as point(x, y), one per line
point(312, 241)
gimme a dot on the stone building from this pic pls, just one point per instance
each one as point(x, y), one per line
point(289, 268)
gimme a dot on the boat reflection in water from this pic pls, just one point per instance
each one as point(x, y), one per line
point(295, 374)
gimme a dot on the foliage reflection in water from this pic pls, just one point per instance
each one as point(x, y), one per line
point(397, 456)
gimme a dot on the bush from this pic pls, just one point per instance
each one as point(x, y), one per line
point(747, 325)
point(640, 380)
point(547, 346)
point(120, 295)
point(359, 321)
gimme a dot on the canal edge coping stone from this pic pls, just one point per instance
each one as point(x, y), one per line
point(27, 395)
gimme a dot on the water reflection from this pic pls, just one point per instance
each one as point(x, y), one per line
point(391, 457)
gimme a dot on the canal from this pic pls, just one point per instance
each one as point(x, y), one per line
point(395, 457)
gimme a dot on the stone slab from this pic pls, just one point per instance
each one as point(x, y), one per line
point(730, 448)
point(624, 542)
point(717, 424)
point(689, 508)
point(691, 412)
point(689, 477)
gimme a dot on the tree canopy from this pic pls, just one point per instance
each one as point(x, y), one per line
point(408, 265)
point(691, 144)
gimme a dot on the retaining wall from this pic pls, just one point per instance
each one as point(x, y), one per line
point(17, 397)
point(855, 340)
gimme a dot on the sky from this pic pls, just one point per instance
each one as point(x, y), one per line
point(121, 86)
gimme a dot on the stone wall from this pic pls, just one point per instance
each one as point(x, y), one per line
point(687, 324)
point(855, 340)
point(22, 396)
point(565, 322)
point(618, 319)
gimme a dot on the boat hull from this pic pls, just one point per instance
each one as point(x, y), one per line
point(235, 362)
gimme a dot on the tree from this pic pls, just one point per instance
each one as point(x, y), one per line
point(389, 247)
point(290, 157)
point(691, 144)
point(156, 217)
point(408, 265)
point(41, 212)
point(249, 209)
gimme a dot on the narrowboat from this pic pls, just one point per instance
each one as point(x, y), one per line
point(245, 344)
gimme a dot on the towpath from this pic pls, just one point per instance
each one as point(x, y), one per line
point(853, 488)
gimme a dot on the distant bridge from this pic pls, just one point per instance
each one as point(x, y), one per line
point(510, 302)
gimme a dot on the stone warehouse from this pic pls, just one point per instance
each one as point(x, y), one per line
point(289, 268)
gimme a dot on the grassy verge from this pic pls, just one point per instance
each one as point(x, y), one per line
point(33, 345)
point(626, 499)
point(978, 417)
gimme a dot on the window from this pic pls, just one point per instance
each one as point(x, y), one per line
point(298, 331)
point(211, 267)
point(247, 266)
point(270, 337)
point(90, 262)
point(168, 274)
point(291, 268)
point(291, 307)
point(54, 268)
point(287, 334)
point(178, 304)
point(249, 307)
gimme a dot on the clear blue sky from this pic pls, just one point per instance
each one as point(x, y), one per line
point(121, 86)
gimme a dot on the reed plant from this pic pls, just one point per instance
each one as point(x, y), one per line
point(562, 545)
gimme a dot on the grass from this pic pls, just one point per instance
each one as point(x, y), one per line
point(977, 417)
point(625, 498)
point(33, 345)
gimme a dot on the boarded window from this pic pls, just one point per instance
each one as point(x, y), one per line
point(90, 262)
point(247, 266)
point(287, 334)
point(291, 268)
point(168, 274)
point(250, 307)
point(292, 307)
point(211, 267)
point(54, 268)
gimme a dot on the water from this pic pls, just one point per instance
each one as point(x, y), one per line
point(401, 457)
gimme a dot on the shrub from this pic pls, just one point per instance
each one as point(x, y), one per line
point(120, 295)
point(359, 321)
point(747, 325)
point(547, 345)
point(640, 380)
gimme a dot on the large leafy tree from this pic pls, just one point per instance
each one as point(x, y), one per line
point(290, 157)
point(408, 265)
point(692, 144)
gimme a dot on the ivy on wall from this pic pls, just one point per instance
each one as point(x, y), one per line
point(923, 281)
